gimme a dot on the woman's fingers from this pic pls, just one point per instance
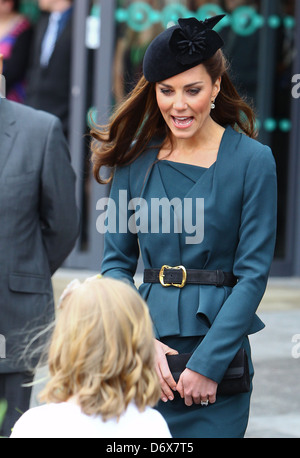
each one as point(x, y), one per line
point(212, 398)
point(194, 388)
point(167, 382)
point(186, 393)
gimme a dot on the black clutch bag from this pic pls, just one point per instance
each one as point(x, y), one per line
point(236, 379)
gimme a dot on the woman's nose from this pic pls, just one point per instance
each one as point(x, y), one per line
point(179, 103)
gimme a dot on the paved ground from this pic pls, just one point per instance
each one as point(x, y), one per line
point(275, 411)
point(275, 408)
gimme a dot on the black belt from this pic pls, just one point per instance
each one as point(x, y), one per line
point(179, 276)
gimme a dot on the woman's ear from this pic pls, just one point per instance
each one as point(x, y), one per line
point(217, 87)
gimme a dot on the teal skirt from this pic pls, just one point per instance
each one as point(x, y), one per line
point(226, 418)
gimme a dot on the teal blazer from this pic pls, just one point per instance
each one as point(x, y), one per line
point(240, 207)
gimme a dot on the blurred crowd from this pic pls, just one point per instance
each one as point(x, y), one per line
point(37, 57)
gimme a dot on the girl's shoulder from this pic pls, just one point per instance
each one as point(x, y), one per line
point(39, 421)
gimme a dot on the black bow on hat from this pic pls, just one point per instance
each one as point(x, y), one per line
point(181, 47)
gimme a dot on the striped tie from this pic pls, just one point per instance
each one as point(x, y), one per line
point(50, 38)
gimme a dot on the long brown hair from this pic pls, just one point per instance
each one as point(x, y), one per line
point(138, 119)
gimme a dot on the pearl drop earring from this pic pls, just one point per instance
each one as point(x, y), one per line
point(213, 106)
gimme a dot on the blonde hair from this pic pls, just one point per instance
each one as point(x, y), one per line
point(102, 350)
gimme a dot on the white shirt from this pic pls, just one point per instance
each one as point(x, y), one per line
point(66, 420)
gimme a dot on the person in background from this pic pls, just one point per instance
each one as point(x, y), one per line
point(103, 381)
point(15, 43)
point(39, 226)
point(130, 49)
point(49, 73)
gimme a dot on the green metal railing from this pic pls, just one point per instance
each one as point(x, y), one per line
point(244, 20)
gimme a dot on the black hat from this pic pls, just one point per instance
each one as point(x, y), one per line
point(181, 47)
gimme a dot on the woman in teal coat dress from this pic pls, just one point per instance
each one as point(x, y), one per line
point(191, 189)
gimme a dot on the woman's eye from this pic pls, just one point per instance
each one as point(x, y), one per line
point(193, 91)
point(166, 91)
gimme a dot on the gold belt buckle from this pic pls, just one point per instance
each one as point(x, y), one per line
point(177, 285)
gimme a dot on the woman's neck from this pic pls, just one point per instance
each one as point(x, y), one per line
point(200, 150)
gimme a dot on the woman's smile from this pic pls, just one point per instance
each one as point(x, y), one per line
point(182, 122)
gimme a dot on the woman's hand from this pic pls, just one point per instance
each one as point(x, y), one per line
point(167, 382)
point(194, 388)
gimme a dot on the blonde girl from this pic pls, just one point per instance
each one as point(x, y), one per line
point(101, 362)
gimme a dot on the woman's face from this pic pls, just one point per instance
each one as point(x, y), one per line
point(6, 7)
point(185, 101)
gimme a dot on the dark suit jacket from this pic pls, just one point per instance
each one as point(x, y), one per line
point(239, 192)
point(39, 220)
point(48, 88)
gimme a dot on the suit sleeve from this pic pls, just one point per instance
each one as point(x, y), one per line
point(121, 250)
point(253, 258)
point(58, 211)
